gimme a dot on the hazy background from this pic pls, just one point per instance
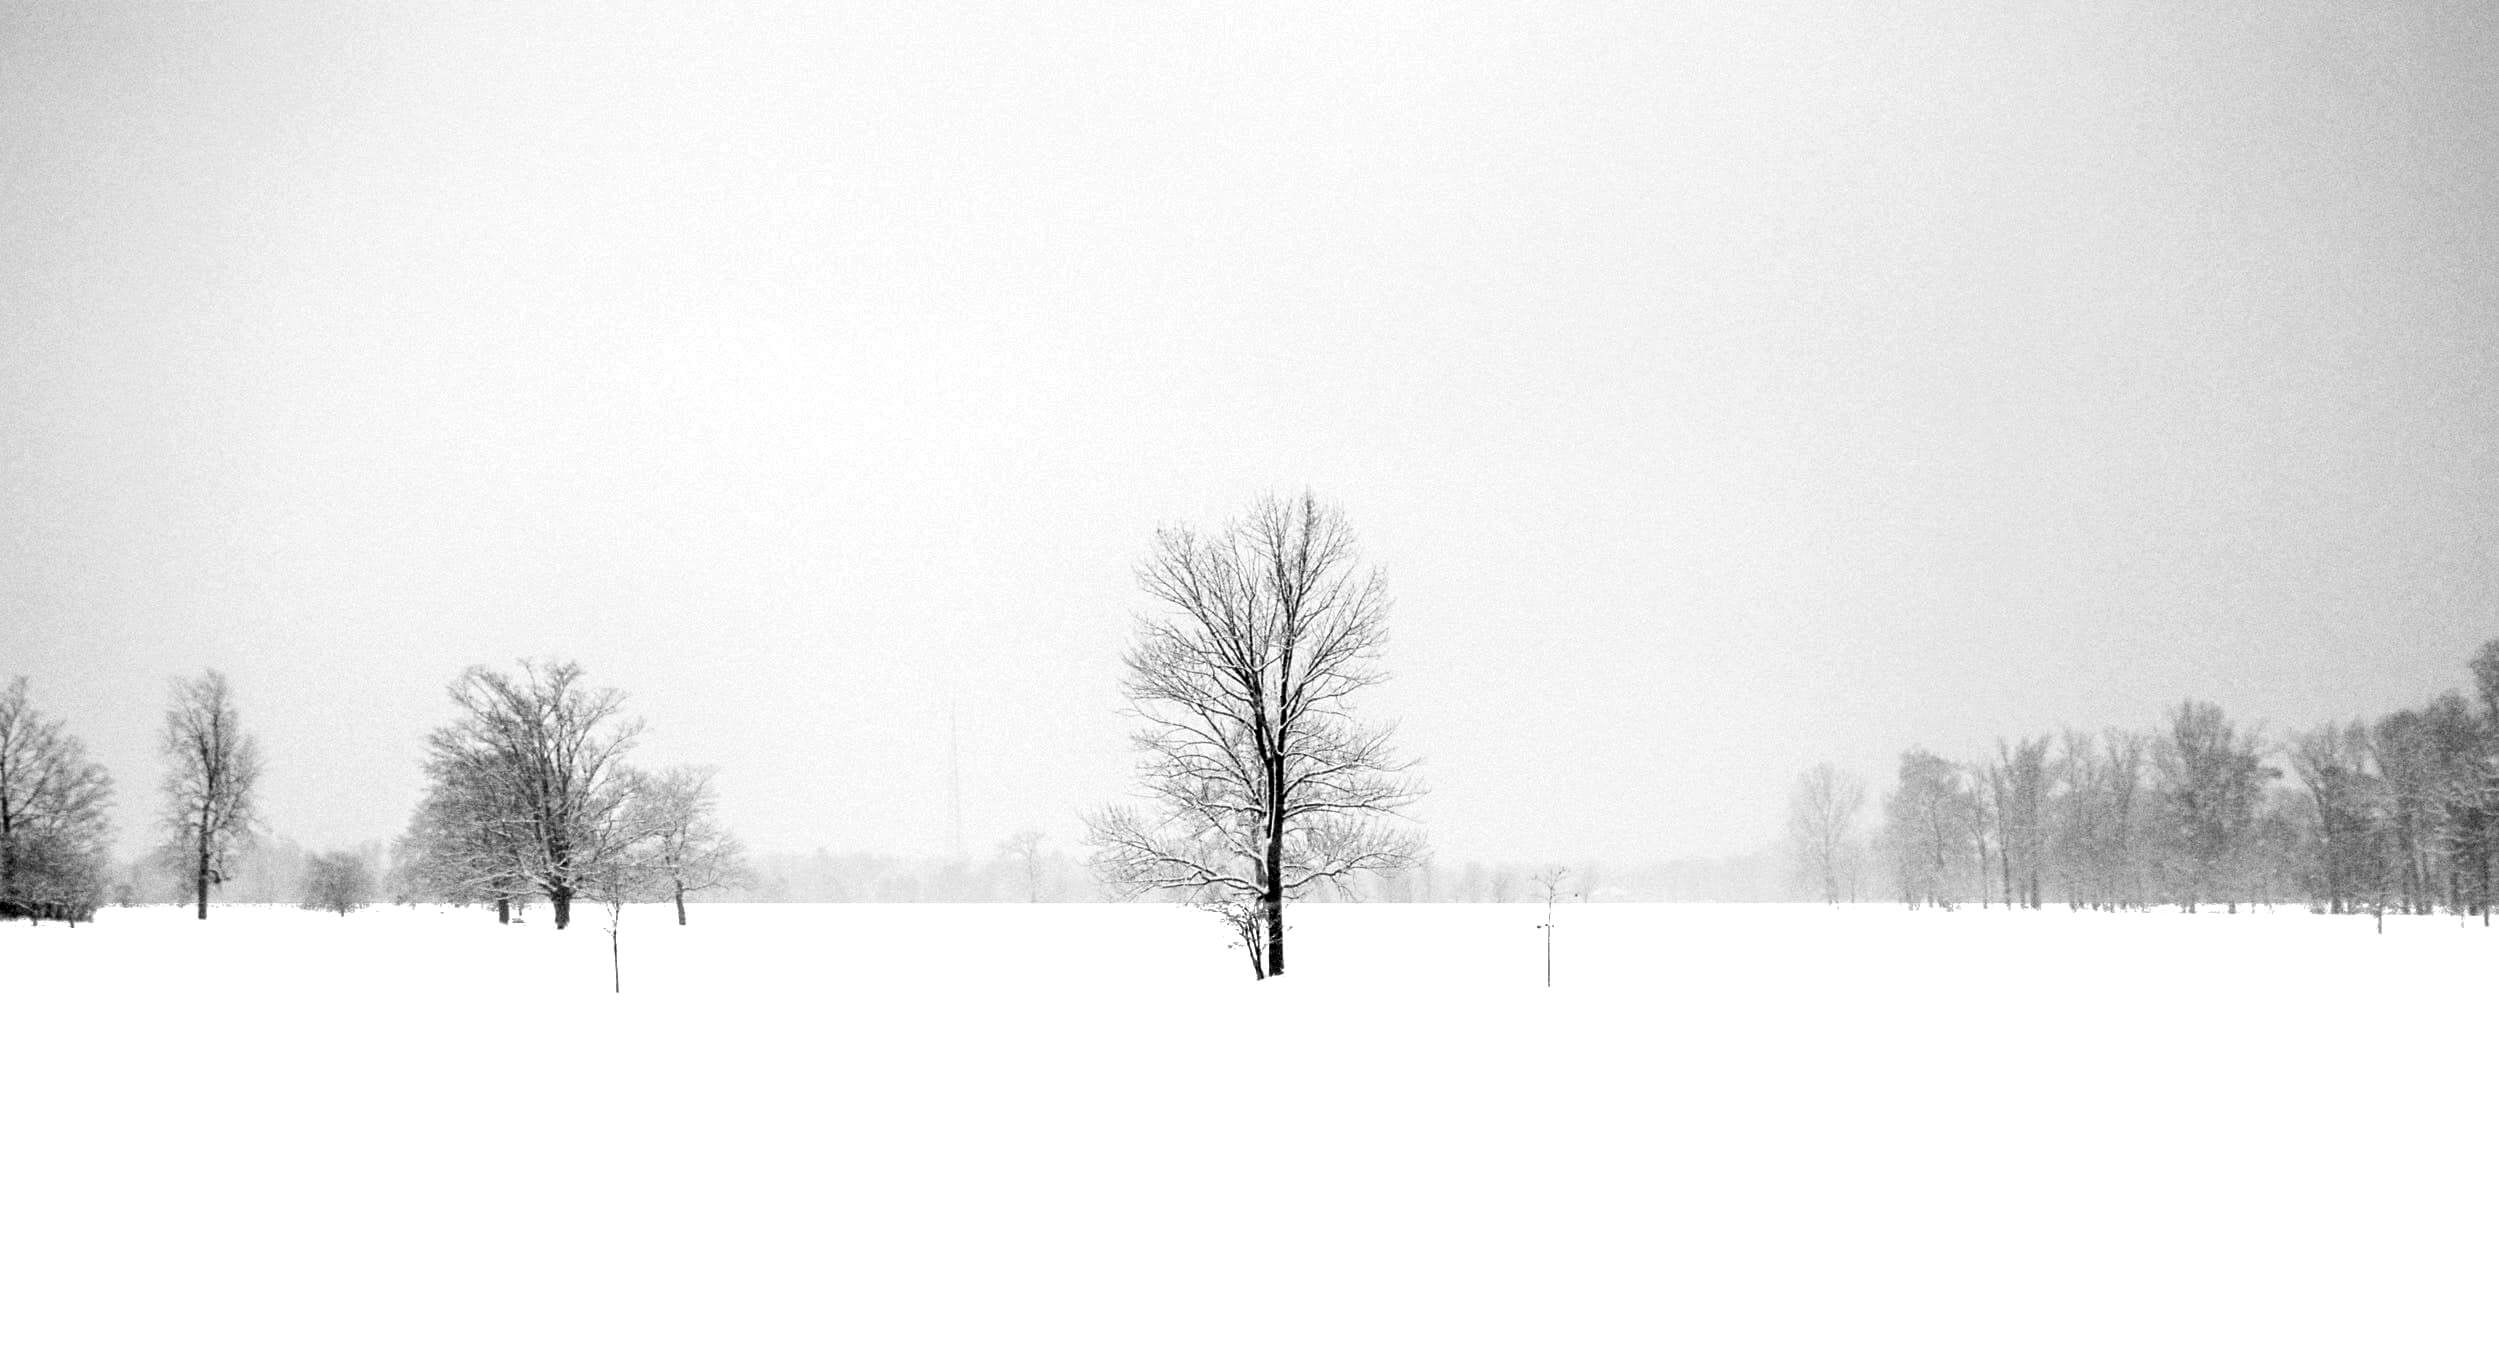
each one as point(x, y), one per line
point(1723, 390)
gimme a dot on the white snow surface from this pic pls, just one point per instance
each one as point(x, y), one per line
point(1085, 1132)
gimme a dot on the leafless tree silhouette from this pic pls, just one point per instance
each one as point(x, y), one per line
point(1261, 780)
point(1025, 848)
point(2211, 779)
point(1550, 881)
point(534, 766)
point(1822, 821)
point(2332, 762)
point(689, 852)
point(619, 858)
point(212, 772)
point(461, 846)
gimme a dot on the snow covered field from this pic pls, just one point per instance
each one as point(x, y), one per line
point(1084, 1132)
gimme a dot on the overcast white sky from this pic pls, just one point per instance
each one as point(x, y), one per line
point(1724, 388)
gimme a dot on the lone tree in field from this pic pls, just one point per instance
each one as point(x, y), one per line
point(1242, 678)
point(53, 829)
point(688, 851)
point(337, 882)
point(527, 791)
point(211, 778)
point(1551, 883)
point(620, 863)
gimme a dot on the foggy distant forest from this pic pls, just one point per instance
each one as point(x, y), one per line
point(2397, 813)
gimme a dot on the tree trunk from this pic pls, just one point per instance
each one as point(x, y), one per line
point(200, 883)
point(1272, 903)
point(1272, 909)
point(615, 966)
point(562, 899)
point(681, 907)
point(503, 909)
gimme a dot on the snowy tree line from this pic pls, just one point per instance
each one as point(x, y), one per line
point(278, 869)
point(2397, 814)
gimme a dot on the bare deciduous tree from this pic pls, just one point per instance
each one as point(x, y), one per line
point(337, 882)
point(618, 856)
point(53, 828)
point(2102, 834)
point(1261, 780)
point(1981, 815)
point(2211, 782)
point(1024, 849)
point(1925, 827)
point(211, 778)
point(689, 852)
point(1551, 881)
point(2332, 762)
point(460, 848)
point(1822, 820)
point(531, 777)
point(2022, 780)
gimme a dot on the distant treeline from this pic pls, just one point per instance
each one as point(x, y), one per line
point(272, 869)
point(277, 869)
point(1747, 878)
point(1022, 868)
point(2394, 814)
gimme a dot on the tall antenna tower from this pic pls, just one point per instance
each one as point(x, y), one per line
point(954, 789)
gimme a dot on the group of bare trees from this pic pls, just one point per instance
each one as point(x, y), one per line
point(2402, 813)
point(528, 796)
point(2121, 819)
point(55, 821)
point(2398, 814)
point(1263, 784)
